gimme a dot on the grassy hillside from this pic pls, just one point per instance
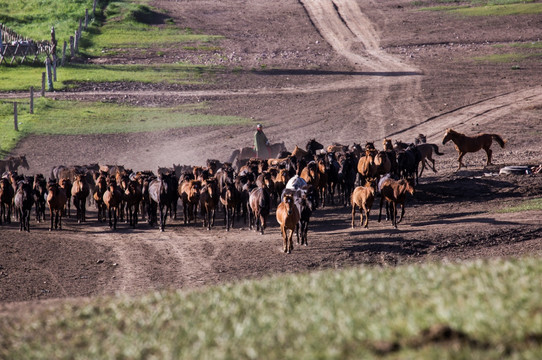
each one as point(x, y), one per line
point(482, 309)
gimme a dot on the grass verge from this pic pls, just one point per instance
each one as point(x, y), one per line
point(534, 204)
point(488, 8)
point(78, 118)
point(482, 309)
point(21, 78)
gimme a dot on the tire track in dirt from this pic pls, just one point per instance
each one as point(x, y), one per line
point(491, 109)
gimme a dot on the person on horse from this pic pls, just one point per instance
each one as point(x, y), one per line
point(261, 143)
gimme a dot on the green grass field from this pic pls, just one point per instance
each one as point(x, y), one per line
point(75, 118)
point(475, 310)
point(485, 8)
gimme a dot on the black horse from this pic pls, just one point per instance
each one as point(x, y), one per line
point(312, 146)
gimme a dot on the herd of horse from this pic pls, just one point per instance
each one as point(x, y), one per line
point(294, 183)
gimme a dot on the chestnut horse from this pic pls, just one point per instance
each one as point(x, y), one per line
point(394, 192)
point(112, 200)
point(80, 191)
point(465, 144)
point(56, 199)
point(288, 217)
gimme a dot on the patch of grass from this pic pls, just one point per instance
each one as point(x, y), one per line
point(482, 309)
point(507, 58)
point(34, 18)
point(487, 8)
point(77, 118)
point(23, 77)
point(535, 204)
point(133, 25)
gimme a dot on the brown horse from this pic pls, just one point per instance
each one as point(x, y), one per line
point(16, 161)
point(99, 191)
point(465, 144)
point(67, 184)
point(6, 200)
point(189, 191)
point(208, 200)
point(288, 217)
point(394, 192)
point(112, 200)
point(23, 202)
point(426, 152)
point(229, 197)
point(56, 199)
point(259, 207)
point(373, 164)
point(363, 197)
point(132, 197)
point(80, 191)
point(248, 152)
point(40, 194)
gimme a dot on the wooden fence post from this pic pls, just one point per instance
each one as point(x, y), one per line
point(72, 47)
point(49, 75)
point(54, 70)
point(63, 53)
point(31, 99)
point(15, 116)
point(76, 42)
point(94, 9)
point(42, 84)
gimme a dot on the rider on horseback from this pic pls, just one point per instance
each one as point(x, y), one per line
point(261, 143)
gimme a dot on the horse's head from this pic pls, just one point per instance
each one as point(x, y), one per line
point(24, 162)
point(446, 137)
point(387, 144)
point(288, 200)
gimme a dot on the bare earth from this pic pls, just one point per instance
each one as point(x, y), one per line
point(339, 71)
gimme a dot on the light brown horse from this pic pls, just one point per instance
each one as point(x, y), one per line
point(394, 193)
point(288, 217)
point(189, 191)
point(56, 199)
point(465, 144)
point(112, 200)
point(363, 197)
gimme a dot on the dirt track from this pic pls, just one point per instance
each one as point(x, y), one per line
point(344, 71)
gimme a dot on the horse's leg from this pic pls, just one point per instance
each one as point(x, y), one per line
point(393, 206)
point(460, 160)
point(354, 214)
point(402, 212)
point(489, 152)
point(380, 212)
point(291, 241)
point(284, 238)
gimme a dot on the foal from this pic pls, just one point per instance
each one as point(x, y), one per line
point(363, 197)
point(288, 217)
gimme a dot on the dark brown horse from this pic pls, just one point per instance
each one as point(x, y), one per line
point(229, 197)
point(40, 195)
point(23, 204)
point(56, 199)
point(259, 208)
point(99, 191)
point(6, 200)
point(393, 192)
point(465, 144)
point(209, 199)
point(14, 162)
point(161, 194)
point(132, 198)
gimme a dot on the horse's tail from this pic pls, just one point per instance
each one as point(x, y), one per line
point(499, 139)
point(435, 147)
